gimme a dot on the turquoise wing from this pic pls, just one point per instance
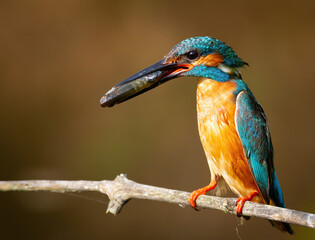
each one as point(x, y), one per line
point(253, 130)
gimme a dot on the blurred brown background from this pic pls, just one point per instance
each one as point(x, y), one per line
point(57, 59)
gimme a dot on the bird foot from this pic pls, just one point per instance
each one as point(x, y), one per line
point(202, 191)
point(241, 201)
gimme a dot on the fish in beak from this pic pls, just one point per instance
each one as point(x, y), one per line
point(143, 81)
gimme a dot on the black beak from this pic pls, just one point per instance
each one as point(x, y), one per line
point(143, 81)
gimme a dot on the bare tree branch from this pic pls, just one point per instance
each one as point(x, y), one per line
point(122, 189)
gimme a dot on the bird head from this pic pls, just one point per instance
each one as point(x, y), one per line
point(198, 56)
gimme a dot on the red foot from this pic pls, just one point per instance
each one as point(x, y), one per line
point(202, 191)
point(240, 202)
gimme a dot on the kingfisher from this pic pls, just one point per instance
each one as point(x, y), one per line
point(232, 125)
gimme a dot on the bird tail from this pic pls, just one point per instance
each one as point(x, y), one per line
point(282, 226)
point(276, 197)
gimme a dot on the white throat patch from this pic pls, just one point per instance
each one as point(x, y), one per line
point(227, 69)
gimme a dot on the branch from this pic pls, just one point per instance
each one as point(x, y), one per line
point(122, 189)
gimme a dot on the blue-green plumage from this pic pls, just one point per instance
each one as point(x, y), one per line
point(253, 130)
point(208, 72)
point(254, 133)
point(208, 45)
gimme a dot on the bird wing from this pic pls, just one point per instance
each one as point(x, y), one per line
point(252, 128)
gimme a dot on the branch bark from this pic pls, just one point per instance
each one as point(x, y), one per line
point(122, 189)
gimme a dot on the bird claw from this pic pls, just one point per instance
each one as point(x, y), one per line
point(239, 206)
point(241, 201)
point(202, 191)
point(196, 209)
point(193, 197)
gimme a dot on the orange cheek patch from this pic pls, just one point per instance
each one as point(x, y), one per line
point(173, 60)
point(211, 60)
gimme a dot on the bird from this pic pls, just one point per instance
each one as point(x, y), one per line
point(232, 125)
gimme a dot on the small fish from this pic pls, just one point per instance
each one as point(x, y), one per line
point(149, 78)
point(129, 89)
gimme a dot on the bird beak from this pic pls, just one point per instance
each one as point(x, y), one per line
point(143, 81)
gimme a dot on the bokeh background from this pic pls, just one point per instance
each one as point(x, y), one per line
point(57, 59)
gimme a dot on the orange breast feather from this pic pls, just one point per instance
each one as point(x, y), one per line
point(216, 109)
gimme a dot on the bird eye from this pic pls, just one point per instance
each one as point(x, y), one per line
point(192, 55)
